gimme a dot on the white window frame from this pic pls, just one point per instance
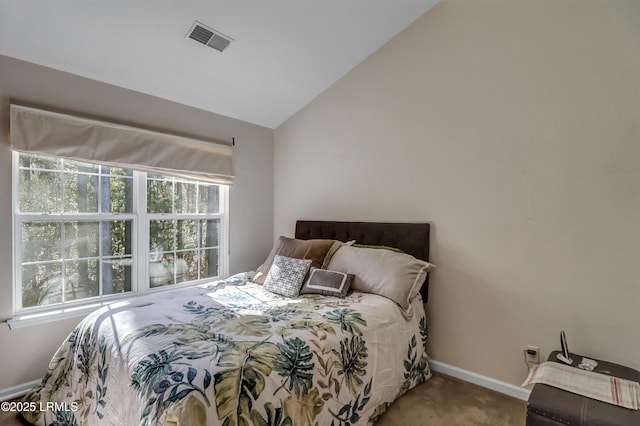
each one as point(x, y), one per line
point(140, 249)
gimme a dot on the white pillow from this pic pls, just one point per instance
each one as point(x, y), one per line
point(396, 276)
point(286, 275)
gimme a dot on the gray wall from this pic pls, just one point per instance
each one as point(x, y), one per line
point(28, 350)
point(514, 127)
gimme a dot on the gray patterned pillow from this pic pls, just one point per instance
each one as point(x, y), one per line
point(286, 275)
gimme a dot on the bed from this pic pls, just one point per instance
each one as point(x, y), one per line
point(231, 352)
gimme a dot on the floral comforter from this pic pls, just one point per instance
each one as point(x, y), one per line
point(231, 353)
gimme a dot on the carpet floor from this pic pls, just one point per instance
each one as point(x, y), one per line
point(447, 401)
point(441, 401)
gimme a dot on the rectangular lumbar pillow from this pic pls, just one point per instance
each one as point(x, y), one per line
point(326, 282)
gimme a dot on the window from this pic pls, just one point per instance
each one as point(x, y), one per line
point(85, 232)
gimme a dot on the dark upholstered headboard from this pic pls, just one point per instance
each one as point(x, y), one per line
point(412, 238)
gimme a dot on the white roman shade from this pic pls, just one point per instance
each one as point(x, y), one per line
point(38, 131)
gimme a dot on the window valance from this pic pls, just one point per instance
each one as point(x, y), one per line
point(39, 131)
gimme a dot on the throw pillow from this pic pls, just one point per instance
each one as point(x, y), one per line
point(319, 251)
point(286, 275)
point(396, 276)
point(327, 283)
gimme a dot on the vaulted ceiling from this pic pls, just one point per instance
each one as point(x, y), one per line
point(284, 53)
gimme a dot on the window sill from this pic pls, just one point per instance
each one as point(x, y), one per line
point(27, 320)
point(36, 318)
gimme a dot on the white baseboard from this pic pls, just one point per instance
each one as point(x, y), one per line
point(17, 391)
point(480, 380)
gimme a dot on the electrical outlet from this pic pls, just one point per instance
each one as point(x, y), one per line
point(532, 354)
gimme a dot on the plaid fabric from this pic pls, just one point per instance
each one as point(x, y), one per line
point(616, 391)
point(286, 275)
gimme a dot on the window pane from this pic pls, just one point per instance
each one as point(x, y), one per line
point(41, 284)
point(80, 167)
point(178, 269)
point(186, 197)
point(116, 275)
point(187, 266)
point(39, 161)
point(161, 272)
point(117, 194)
point(117, 237)
point(162, 234)
point(40, 191)
point(187, 235)
point(209, 199)
point(41, 241)
point(209, 263)
point(81, 279)
point(81, 239)
point(159, 196)
point(80, 193)
point(209, 233)
point(115, 171)
point(159, 275)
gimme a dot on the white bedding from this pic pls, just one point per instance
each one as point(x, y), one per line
point(232, 353)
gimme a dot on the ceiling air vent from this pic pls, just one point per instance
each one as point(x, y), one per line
point(208, 36)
